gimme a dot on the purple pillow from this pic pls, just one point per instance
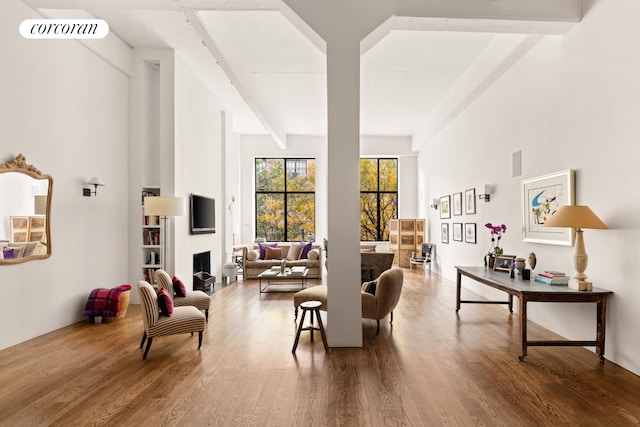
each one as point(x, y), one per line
point(263, 248)
point(305, 251)
point(178, 287)
point(8, 253)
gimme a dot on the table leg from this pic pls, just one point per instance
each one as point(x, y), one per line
point(510, 303)
point(523, 328)
point(601, 312)
point(458, 284)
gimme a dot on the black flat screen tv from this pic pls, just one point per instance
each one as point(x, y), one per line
point(203, 214)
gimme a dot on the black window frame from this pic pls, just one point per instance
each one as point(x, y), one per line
point(378, 193)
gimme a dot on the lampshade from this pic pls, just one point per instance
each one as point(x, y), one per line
point(164, 206)
point(96, 181)
point(575, 217)
point(40, 205)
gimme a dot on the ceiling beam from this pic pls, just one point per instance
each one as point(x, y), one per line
point(175, 5)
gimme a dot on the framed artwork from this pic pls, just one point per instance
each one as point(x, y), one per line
point(37, 228)
point(470, 201)
point(444, 230)
point(541, 198)
point(457, 203)
point(457, 232)
point(470, 232)
point(445, 208)
point(19, 228)
point(504, 262)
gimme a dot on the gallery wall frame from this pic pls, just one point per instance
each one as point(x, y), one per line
point(444, 231)
point(445, 207)
point(470, 232)
point(541, 197)
point(457, 232)
point(457, 204)
point(470, 201)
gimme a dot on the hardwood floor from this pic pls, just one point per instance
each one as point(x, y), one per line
point(431, 368)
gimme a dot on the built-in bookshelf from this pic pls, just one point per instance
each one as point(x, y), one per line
point(151, 238)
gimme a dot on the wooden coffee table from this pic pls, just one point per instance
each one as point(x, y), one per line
point(276, 278)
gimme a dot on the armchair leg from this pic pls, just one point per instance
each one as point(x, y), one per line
point(199, 339)
point(147, 349)
point(206, 315)
point(144, 338)
point(378, 328)
point(391, 321)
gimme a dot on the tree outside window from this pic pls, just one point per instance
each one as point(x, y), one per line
point(285, 198)
point(378, 197)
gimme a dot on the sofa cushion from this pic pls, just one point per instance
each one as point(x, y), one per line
point(272, 253)
point(165, 303)
point(28, 249)
point(253, 255)
point(263, 248)
point(294, 251)
point(305, 251)
point(13, 252)
point(178, 287)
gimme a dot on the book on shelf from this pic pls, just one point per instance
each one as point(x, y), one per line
point(558, 280)
point(551, 274)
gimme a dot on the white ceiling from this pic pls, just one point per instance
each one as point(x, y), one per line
point(272, 77)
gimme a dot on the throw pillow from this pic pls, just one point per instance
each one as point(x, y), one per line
point(7, 253)
point(164, 303)
point(370, 288)
point(313, 254)
point(178, 287)
point(252, 255)
point(305, 251)
point(263, 248)
point(272, 253)
point(294, 252)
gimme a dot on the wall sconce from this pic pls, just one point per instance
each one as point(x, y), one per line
point(434, 204)
point(95, 181)
point(486, 196)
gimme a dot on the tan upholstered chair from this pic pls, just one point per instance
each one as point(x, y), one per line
point(183, 320)
point(385, 300)
point(197, 299)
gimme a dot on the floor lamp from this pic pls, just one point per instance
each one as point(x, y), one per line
point(577, 217)
point(164, 207)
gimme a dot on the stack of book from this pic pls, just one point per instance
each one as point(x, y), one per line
point(553, 278)
point(297, 270)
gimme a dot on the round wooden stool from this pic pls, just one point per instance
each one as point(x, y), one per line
point(313, 307)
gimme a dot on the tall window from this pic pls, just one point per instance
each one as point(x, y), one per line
point(285, 199)
point(378, 197)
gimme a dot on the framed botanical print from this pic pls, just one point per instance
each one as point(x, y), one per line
point(444, 231)
point(470, 201)
point(457, 203)
point(19, 228)
point(541, 197)
point(470, 232)
point(445, 207)
point(457, 232)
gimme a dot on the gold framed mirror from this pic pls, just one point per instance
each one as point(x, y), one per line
point(25, 212)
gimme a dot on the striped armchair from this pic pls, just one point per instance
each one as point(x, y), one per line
point(183, 320)
point(197, 299)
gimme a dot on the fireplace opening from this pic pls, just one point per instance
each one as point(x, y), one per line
point(202, 278)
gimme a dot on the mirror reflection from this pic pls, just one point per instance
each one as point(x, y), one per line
point(25, 200)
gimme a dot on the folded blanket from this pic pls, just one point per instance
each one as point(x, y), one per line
point(105, 302)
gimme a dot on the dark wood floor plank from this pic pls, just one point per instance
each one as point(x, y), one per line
point(431, 367)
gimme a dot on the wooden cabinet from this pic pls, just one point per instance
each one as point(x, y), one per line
point(405, 237)
point(151, 238)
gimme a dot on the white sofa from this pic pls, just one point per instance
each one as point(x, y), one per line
point(253, 264)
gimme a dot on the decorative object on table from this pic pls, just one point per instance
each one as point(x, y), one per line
point(495, 249)
point(445, 207)
point(542, 196)
point(470, 201)
point(457, 203)
point(577, 217)
point(282, 266)
point(519, 265)
point(526, 274)
point(532, 260)
point(470, 232)
point(504, 262)
point(444, 228)
point(553, 278)
point(457, 232)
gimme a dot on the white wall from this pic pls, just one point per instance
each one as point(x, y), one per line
point(65, 109)
point(571, 102)
point(199, 166)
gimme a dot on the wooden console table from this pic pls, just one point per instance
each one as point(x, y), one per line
point(530, 290)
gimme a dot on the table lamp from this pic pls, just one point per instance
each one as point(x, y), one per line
point(577, 217)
